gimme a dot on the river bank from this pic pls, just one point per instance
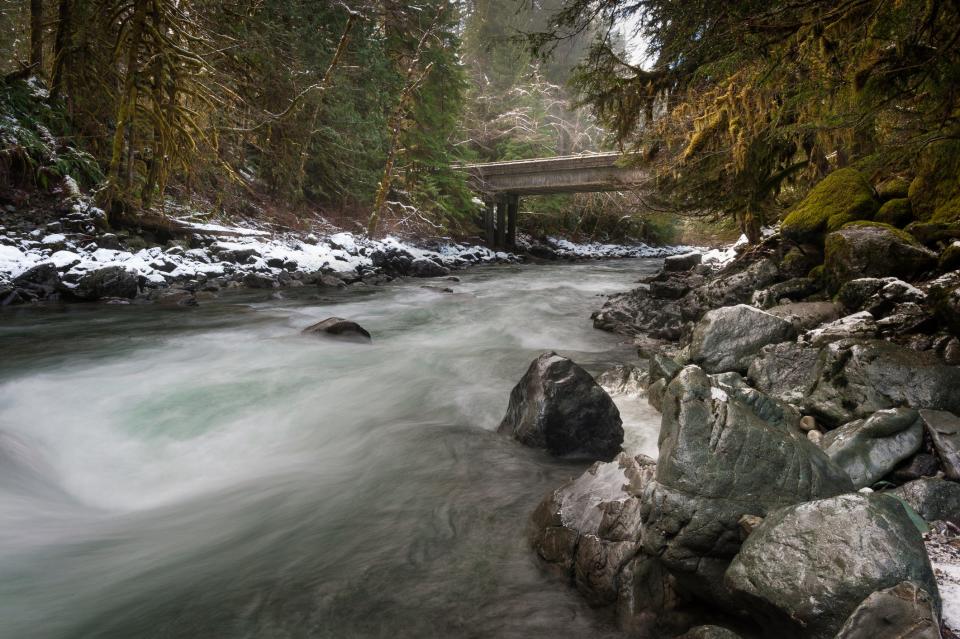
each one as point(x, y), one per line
point(809, 447)
point(71, 257)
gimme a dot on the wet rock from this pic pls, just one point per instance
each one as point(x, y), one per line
point(655, 393)
point(786, 371)
point(672, 289)
point(331, 281)
point(858, 378)
point(791, 290)
point(339, 328)
point(661, 366)
point(934, 499)
point(724, 448)
point(423, 267)
point(260, 280)
point(590, 527)
point(807, 567)
point(685, 262)
point(43, 279)
point(869, 449)
point(904, 611)
point(727, 338)
point(558, 406)
point(623, 379)
point(860, 325)
point(173, 297)
point(944, 430)
point(920, 465)
point(648, 598)
point(806, 315)
point(112, 281)
point(872, 251)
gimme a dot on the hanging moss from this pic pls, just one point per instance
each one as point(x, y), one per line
point(937, 182)
point(841, 197)
point(897, 212)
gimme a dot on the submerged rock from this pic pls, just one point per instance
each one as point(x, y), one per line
point(807, 567)
point(904, 611)
point(869, 449)
point(339, 328)
point(725, 451)
point(558, 406)
point(727, 338)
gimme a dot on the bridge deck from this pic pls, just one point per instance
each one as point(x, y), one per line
point(563, 174)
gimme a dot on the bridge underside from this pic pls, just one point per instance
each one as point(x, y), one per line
point(502, 184)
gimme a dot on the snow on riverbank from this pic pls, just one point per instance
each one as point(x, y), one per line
point(218, 254)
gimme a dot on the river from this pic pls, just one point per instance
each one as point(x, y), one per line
point(209, 472)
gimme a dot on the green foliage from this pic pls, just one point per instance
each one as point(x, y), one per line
point(841, 197)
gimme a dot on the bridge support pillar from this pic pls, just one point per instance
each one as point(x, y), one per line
point(513, 207)
point(501, 222)
point(488, 230)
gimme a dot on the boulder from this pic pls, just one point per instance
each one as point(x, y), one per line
point(933, 498)
point(655, 393)
point(873, 251)
point(790, 290)
point(806, 315)
point(685, 262)
point(260, 280)
point(858, 378)
point(785, 371)
point(623, 379)
point(726, 451)
point(896, 212)
point(807, 567)
point(43, 279)
point(727, 338)
point(111, 281)
point(869, 449)
point(558, 406)
point(920, 465)
point(944, 430)
point(331, 281)
point(859, 324)
point(904, 611)
point(662, 366)
point(944, 295)
point(841, 197)
point(422, 267)
point(950, 258)
point(339, 328)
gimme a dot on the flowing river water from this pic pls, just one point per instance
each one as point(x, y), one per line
point(211, 473)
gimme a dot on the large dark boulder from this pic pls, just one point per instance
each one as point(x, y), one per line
point(558, 406)
point(111, 281)
point(423, 267)
point(43, 279)
point(339, 328)
point(873, 251)
point(726, 451)
point(807, 567)
point(858, 378)
point(869, 449)
point(933, 498)
point(904, 611)
point(679, 263)
point(728, 338)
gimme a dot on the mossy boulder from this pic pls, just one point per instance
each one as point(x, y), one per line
point(947, 212)
point(841, 197)
point(937, 181)
point(896, 212)
point(798, 261)
point(934, 233)
point(873, 250)
point(950, 258)
point(893, 188)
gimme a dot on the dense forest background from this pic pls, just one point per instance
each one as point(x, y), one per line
point(361, 109)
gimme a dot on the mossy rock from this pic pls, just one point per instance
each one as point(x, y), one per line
point(937, 181)
point(873, 250)
point(841, 197)
point(934, 233)
point(897, 212)
point(799, 260)
point(893, 189)
point(816, 273)
point(903, 235)
point(950, 258)
point(947, 212)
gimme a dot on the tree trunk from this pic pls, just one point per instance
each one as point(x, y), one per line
point(36, 36)
point(61, 47)
point(126, 107)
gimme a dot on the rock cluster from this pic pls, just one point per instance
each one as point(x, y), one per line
point(810, 432)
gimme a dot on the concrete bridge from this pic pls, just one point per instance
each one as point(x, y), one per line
point(503, 183)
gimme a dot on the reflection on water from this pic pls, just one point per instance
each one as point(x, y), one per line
point(210, 473)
